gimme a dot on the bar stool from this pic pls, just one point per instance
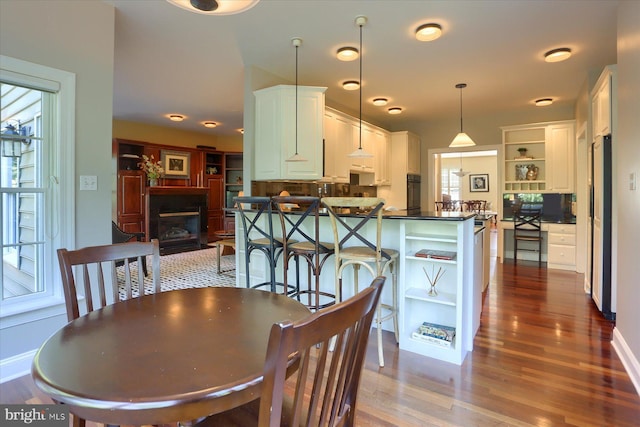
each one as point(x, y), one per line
point(372, 256)
point(256, 218)
point(308, 246)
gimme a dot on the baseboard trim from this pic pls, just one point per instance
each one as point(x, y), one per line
point(630, 362)
point(16, 366)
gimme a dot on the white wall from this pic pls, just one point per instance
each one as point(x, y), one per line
point(627, 334)
point(77, 37)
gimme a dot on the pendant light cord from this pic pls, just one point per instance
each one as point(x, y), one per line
point(296, 100)
point(360, 131)
point(461, 109)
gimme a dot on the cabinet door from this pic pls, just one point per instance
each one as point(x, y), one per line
point(413, 158)
point(363, 164)
point(382, 157)
point(560, 168)
point(337, 143)
point(131, 185)
point(216, 202)
point(602, 123)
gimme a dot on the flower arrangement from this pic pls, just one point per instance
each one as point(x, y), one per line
point(152, 168)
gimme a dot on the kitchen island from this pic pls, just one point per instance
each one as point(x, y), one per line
point(458, 300)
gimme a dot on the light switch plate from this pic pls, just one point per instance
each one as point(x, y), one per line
point(632, 181)
point(88, 183)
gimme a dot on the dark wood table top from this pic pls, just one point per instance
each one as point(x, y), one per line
point(162, 358)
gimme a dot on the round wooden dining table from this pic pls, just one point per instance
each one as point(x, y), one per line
point(163, 358)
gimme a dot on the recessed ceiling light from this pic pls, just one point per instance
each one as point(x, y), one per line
point(241, 130)
point(395, 110)
point(347, 53)
point(209, 124)
point(428, 32)
point(557, 55)
point(176, 117)
point(350, 85)
point(543, 102)
point(380, 102)
point(215, 7)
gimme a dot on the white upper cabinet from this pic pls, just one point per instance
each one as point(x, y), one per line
point(382, 156)
point(601, 103)
point(275, 132)
point(560, 149)
point(338, 143)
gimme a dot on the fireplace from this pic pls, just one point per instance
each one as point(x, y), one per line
point(176, 216)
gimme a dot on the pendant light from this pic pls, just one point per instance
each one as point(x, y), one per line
point(296, 157)
point(461, 139)
point(460, 173)
point(359, 152)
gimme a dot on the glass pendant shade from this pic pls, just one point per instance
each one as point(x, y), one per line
point(296, 157)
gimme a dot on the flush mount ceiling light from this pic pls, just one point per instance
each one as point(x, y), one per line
point(215, 7)
point(296, 42)
point(347, 53)
point(241, 130)
point(557, 55)
point(380, 102)
point(461, 139)
point(350, 85)
point(176, 117)
point(359, 152)
point(395, 110)
point(543, 102)
point(428, 32)
point(209, 124)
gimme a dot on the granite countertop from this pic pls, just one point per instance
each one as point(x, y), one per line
point(548, 219)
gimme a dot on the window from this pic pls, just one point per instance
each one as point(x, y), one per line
point(36, 170)
point(451, 183)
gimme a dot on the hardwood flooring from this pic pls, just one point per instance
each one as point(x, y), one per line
point(542, 357)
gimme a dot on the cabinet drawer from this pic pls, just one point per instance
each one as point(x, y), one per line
point(562, 228)
point(562, 239)
point(560, 254)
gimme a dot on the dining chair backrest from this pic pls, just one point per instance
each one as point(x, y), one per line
point(94, 265)
point(334, 373)
point(370, 207)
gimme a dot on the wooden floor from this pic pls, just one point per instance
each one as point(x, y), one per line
point(542, 357)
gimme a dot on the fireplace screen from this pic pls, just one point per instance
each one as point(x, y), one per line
point(179, 229)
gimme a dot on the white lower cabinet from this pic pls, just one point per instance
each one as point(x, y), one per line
point(561, 247)
point(454, 306)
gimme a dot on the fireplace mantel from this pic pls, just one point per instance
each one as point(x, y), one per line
point(177, 208)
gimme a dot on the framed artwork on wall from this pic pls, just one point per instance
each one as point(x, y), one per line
point(479, 182)
point(176, 164)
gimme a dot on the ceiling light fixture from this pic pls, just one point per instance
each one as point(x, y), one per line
point(209, 124)
point(215, 7)
point(296, 42)
point(395, 110)
point(176, 117)
point(359, 152)
point(428, 32)
point(351, 85)
point(460, 173)
point(347, 53)
point(543, 102)
point(461, 139)
point(380, 102)
point(557, 55)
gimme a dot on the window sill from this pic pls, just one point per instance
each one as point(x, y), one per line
point(31, 311)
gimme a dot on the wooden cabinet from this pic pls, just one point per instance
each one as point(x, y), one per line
point(601, 102)
point(382, 156)
point(130, 185)
point(457, 302)
point(275, 132)
point(233, 182)
point(549, 154)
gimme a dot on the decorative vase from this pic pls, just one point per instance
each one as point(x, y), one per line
point(532, 173)
point(521, 172)
point(153, 182)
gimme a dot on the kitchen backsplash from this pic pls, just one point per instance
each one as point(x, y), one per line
point(310, 188)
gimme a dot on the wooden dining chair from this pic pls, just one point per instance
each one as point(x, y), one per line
point(95, 264)
point(353, 248)
point(324, 390)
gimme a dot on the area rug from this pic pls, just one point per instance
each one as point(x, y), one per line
point(195, 269)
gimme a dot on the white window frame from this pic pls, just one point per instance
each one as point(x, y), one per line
point(60, 231)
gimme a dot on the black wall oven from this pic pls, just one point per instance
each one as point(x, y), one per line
point(413, 193)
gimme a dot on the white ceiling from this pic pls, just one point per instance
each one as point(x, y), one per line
point(168, 60)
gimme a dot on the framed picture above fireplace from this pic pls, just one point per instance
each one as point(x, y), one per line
point(176, 164)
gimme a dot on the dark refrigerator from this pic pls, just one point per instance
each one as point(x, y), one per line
point(602, 291)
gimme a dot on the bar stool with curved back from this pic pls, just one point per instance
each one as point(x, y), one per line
point(376, 259)
point(95, 263)
point(527, 227)
point(324, 391)
point(307, 245)
point(256, 219)
point(120, 236)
